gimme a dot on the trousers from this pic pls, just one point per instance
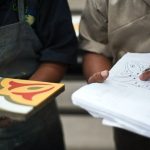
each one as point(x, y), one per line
point(125, 140)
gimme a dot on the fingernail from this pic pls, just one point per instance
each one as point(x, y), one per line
point(104, 73)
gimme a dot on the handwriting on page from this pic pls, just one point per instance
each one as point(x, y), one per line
point(129, 74)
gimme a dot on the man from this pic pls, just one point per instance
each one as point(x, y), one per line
point(37, 42)
point(109, 29)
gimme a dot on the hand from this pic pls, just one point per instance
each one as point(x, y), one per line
point(5, 122)
point(145, 75)
point(99, 77)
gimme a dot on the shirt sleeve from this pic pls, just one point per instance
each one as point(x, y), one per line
point(55, 30)
point(93, 27)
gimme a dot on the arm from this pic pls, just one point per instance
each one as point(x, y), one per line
point(58, 38)
point(95, 63)
point(49, 72)
point(55, 30)
point(93, 40)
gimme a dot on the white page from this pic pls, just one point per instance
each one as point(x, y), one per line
point(126, 126)
point(128, 68)
point(122, 101)
point(13, 107)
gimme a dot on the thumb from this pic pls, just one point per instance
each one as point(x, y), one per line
point(145, 76)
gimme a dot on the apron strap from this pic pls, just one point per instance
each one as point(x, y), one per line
point(21, 10)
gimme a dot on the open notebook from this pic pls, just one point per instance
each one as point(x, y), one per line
point(19, 99)
point(123, 100)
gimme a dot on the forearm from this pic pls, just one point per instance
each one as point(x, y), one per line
point(93, 63)
point(49, 72)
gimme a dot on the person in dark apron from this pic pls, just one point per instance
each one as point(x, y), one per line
point(37, 42)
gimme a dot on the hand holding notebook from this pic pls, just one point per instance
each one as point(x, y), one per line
point(19, 99)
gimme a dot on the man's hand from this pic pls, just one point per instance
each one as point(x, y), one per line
point(98, 77)
point(5, 122)
point(145, 75)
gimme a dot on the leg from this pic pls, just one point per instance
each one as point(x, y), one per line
point(125, 140)
point(51, 137)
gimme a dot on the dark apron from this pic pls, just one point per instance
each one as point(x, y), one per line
point(19, 48)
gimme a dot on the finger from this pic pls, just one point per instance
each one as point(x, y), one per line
point(145, 76)
point(96, 78)
point(92, 79)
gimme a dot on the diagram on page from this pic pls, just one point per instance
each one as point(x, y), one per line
point(129, 73)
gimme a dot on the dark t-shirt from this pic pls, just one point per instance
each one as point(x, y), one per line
point(51, 21)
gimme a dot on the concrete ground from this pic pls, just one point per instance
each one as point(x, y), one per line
point(86, 133)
